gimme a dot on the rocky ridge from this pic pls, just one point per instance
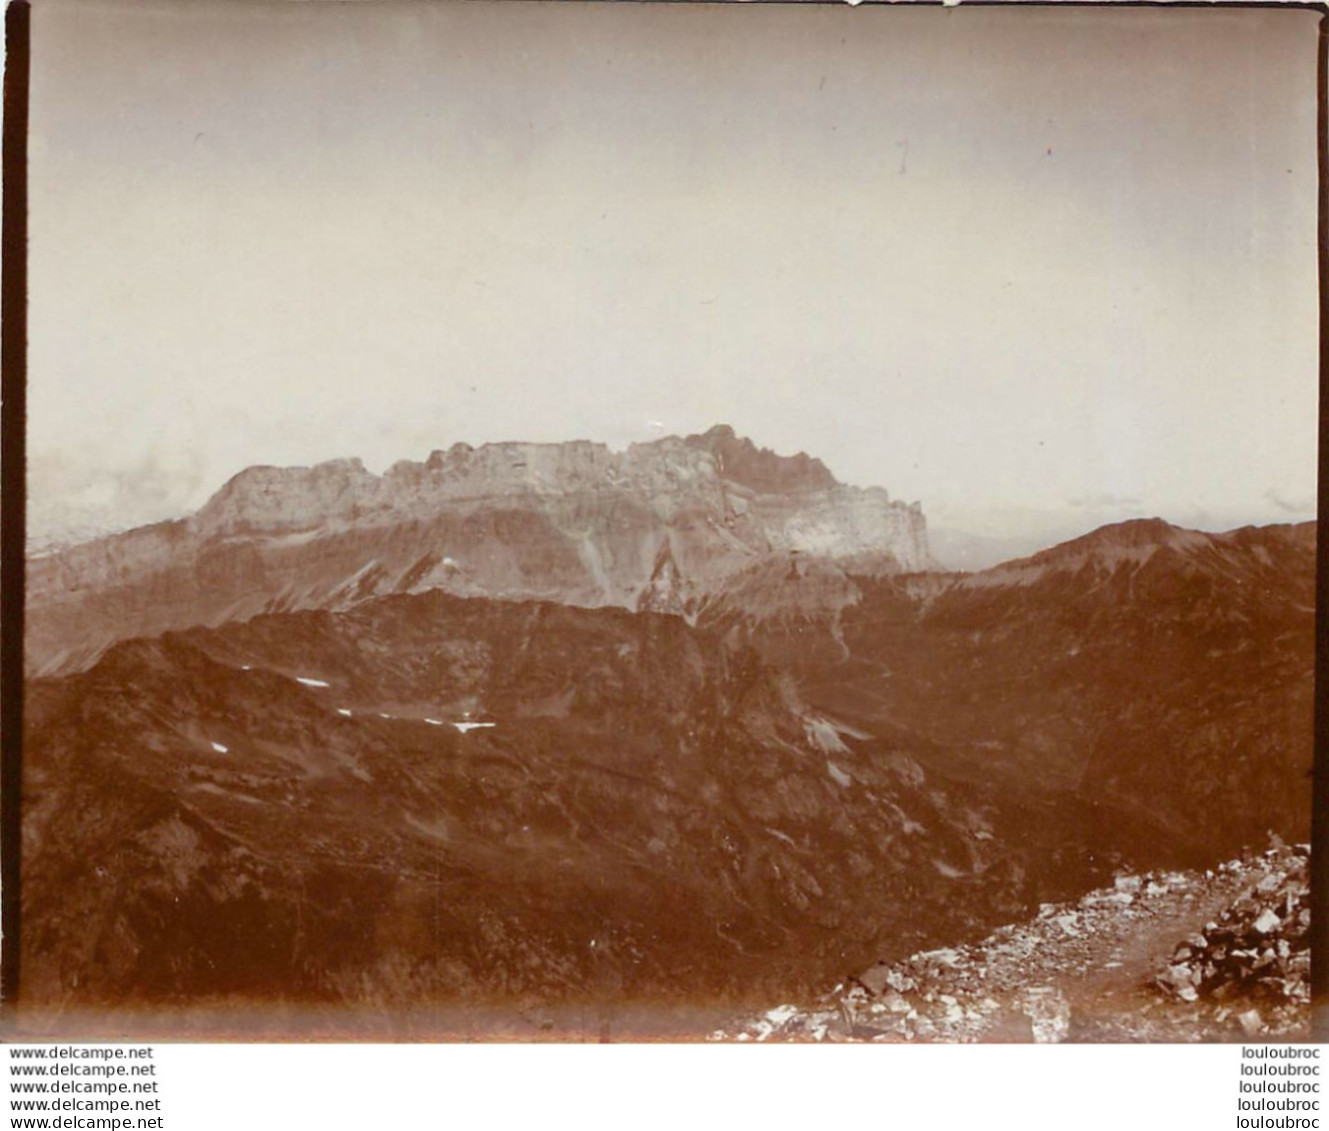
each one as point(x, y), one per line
point(1106, 967)
point(1259, 948)
point(661, 525)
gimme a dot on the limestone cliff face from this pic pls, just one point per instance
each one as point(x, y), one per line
point(660, 525)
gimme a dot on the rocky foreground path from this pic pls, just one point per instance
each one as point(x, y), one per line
point(1220, 955)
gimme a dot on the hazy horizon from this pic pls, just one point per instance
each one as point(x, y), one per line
point(1038, 269)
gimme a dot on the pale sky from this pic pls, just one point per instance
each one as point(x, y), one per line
point(1038, 269)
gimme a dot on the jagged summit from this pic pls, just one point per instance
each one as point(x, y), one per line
point(575, 522)
point(342, 490)
point(740, 460)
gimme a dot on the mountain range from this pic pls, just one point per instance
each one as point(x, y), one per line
point(689, 723)
point(660, 525)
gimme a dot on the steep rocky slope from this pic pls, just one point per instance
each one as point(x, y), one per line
point(658, 526)
point(1166, 674)
point(428, 798)
point(1167, 956)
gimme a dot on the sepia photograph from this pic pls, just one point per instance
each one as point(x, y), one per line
point(709, 522)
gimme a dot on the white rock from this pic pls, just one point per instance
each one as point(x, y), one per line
point(1068, 924)
point(1251, 1022)
point(840, 777)
point(1267, 922)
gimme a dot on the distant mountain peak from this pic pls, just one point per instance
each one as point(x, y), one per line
point(1132, 538)
point(739, 460)
point(660, 525)
point(1158, 543)
point(343, 490)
